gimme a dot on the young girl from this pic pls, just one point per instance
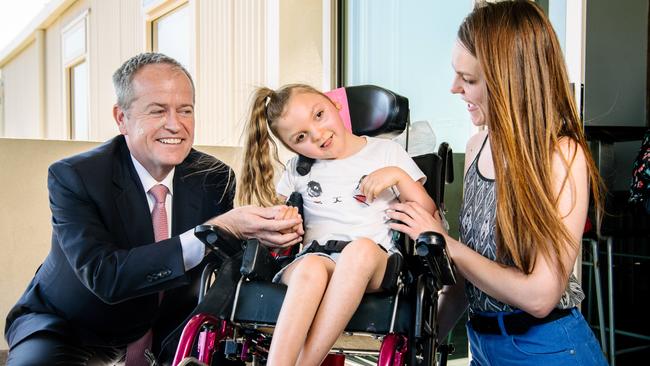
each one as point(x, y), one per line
point(346, 193)
point(526, 194)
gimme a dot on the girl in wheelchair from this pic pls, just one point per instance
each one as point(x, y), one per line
point(346, 193)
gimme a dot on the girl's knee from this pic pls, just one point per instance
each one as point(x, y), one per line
point(364, 251)
point(311, 269)
point(362, 246)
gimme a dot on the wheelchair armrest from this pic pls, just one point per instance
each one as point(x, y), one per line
point(257, 262)
point(223, 244)
point(430, 247)
point(393, 269)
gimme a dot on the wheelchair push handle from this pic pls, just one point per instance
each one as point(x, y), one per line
point(431, 248)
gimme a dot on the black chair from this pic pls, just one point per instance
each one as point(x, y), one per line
point(395, 327)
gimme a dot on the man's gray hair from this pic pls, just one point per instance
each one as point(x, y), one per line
point(123, 77)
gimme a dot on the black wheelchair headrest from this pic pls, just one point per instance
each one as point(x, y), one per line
point(367, 110)
point(375, 110)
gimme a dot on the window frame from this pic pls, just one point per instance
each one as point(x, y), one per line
point(154, 10)
point(69, 63)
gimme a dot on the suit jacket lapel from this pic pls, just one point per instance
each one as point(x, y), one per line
point(130, 200)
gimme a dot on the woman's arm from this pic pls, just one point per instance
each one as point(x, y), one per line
point(452, 304)
point(536, 293)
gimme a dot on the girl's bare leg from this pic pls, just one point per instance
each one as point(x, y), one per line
point(307, 280)
point(360, 269)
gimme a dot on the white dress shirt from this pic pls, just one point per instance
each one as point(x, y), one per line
point(193, 248)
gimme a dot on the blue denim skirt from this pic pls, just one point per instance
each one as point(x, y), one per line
point(565, 341)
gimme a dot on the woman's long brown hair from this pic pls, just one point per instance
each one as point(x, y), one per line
point(256, 185)
point(530, 109)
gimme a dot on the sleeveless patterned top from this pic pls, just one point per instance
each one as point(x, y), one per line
point(478, 230)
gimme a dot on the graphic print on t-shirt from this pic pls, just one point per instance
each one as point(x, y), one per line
point(314, 189)
point(358, 195)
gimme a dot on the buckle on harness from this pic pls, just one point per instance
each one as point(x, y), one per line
point(331, 246)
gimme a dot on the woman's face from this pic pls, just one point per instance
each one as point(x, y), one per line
point(469, 82)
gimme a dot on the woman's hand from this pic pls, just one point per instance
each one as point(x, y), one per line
point(376, 182)
point(414, 219)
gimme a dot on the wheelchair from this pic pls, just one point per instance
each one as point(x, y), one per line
point(395, 327)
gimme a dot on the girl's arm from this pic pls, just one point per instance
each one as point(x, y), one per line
point(536, 293)
point(409, 190)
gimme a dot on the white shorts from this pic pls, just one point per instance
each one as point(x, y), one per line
point(333, 257)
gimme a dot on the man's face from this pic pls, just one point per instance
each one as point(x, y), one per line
point(159, 123)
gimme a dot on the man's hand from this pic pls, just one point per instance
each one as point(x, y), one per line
point(260, 222)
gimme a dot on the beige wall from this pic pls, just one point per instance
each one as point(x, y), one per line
point(22, 102)
point(24, 209)
point(301, 42)
point(230, 61)
point(113, 38)
point(54, 86)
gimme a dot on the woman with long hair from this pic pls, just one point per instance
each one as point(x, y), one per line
point(528, 180)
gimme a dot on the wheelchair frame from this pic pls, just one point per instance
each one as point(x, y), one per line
point(411, 345)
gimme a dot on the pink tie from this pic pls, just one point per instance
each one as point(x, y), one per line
point(159, 213)
point(135, 351)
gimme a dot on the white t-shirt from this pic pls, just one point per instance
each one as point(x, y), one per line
point(333, 206)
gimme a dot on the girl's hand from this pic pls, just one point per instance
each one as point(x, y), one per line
point(376, 182)
point(414, 219)
point(286, 213)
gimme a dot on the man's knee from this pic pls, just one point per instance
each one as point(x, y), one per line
point(38, 349)
point(48, 348)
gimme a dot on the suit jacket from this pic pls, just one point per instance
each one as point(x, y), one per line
point(102, 277)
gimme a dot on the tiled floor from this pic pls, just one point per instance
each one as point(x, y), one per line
point(458, 362)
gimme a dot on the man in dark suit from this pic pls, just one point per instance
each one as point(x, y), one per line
point(115, 283)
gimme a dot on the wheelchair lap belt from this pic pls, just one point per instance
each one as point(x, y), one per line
point(331, 246)
point(515, 323)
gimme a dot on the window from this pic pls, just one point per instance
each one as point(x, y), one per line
point(405, 46)
point(75, 63)
point(79, 101)
point(170, 33)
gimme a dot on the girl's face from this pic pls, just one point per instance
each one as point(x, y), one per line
point(469, 82)
point(311, 126)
